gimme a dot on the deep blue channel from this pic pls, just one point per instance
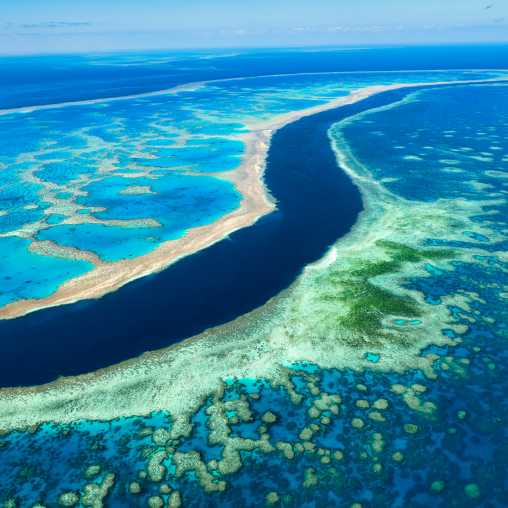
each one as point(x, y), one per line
point(317, 204)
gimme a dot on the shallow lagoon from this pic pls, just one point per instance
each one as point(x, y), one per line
point(177, 203)
point(28, 275)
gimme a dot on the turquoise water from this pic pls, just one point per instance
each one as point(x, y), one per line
point(372, 357)
point(209, 155)
point(26, 275)
point(178, 203)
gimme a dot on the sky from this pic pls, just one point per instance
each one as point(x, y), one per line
point(34, 26)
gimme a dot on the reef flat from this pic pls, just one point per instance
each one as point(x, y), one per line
point(377, 378)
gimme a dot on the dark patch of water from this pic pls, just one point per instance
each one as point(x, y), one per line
point(317, 204)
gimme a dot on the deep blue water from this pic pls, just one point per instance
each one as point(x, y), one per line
point(36, 80)
point(317, 204)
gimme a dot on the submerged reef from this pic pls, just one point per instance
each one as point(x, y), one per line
point(377, 379)
point(229, 455)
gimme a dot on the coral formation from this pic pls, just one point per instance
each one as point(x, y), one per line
point(94, 493)
point(68, 499)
